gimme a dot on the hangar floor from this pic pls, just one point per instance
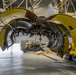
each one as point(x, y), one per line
point(13, 63)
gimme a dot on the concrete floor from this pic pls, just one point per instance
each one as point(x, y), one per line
point(32, 64)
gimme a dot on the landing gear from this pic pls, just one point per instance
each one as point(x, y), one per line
point(74, 58)
point(68, 57)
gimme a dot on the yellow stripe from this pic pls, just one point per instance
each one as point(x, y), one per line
point(12, 14)
point(3, 31)
point(67, 21)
